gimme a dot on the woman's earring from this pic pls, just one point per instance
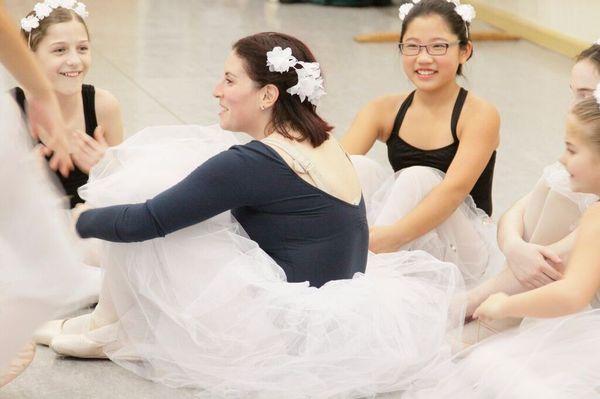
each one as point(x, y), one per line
point(262, 107)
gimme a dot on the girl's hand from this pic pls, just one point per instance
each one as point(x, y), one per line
point(88, 151)
point(533, 265)
point(493, 308)
point(383, 239)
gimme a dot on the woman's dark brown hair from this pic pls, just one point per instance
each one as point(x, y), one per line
point(57, 16)
point(289, 113)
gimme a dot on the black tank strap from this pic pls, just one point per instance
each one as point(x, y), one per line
point(88, 94)
point(19, 95)
point(458, 106)
point(401, 113)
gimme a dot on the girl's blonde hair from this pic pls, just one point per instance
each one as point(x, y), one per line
point(587, 113)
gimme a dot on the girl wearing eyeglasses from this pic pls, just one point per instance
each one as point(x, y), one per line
point(441, 142)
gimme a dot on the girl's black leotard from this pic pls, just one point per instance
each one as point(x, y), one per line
point(403, 155)
point(76, 178)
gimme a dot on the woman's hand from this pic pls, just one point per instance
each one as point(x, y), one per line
point(493, 308)
point(88, 151)
point(533, 265)
point(384, 239)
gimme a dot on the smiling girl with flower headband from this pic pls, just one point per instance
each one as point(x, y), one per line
point(58, 36)
point(59, 39)
point(274, 302)
point(441, 141)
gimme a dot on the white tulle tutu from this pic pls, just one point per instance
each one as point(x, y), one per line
point(206, 308)
point(467, 238)
point(553, 358)
point(39, 271)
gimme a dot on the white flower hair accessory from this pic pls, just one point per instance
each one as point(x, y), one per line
point(280, 60)
point(404, 10)
point(466, 12)
point(29, 23)
point(597, 42)
point(81, 9)
point(43, 10)
point(310, 82)
point(68, 4)
point(597, 94)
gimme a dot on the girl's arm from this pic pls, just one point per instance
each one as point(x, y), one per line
point(510, 225)
point(89, 151)
point(19, 60)
point(44, 113)
point(530, 263)
point(368, 125)
point(563, 297)
point(564, 247)
point(480, 137)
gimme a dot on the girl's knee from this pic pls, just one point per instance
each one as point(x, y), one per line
point(418, 177)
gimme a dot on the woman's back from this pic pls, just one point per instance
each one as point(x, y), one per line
point(315, 228)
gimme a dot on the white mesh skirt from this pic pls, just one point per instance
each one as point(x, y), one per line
point(553, 358)
point(467, 238)
point(39, 271)
point(206, 308)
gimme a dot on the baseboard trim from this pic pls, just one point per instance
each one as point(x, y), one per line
point(529, 30)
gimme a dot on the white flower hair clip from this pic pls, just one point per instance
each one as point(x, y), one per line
point(43, 10)
point(466, 12)
point(29, 23)
point(597, 94)
point(597, 42)
point(405, 9)
point(310, 82)
point(280, 60)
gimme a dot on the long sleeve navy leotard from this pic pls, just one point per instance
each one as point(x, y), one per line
point(312, 235)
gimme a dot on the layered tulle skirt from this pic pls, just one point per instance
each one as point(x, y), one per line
point(40, 273)
point(553, 358)
point(467, 238)
point(206, 308)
